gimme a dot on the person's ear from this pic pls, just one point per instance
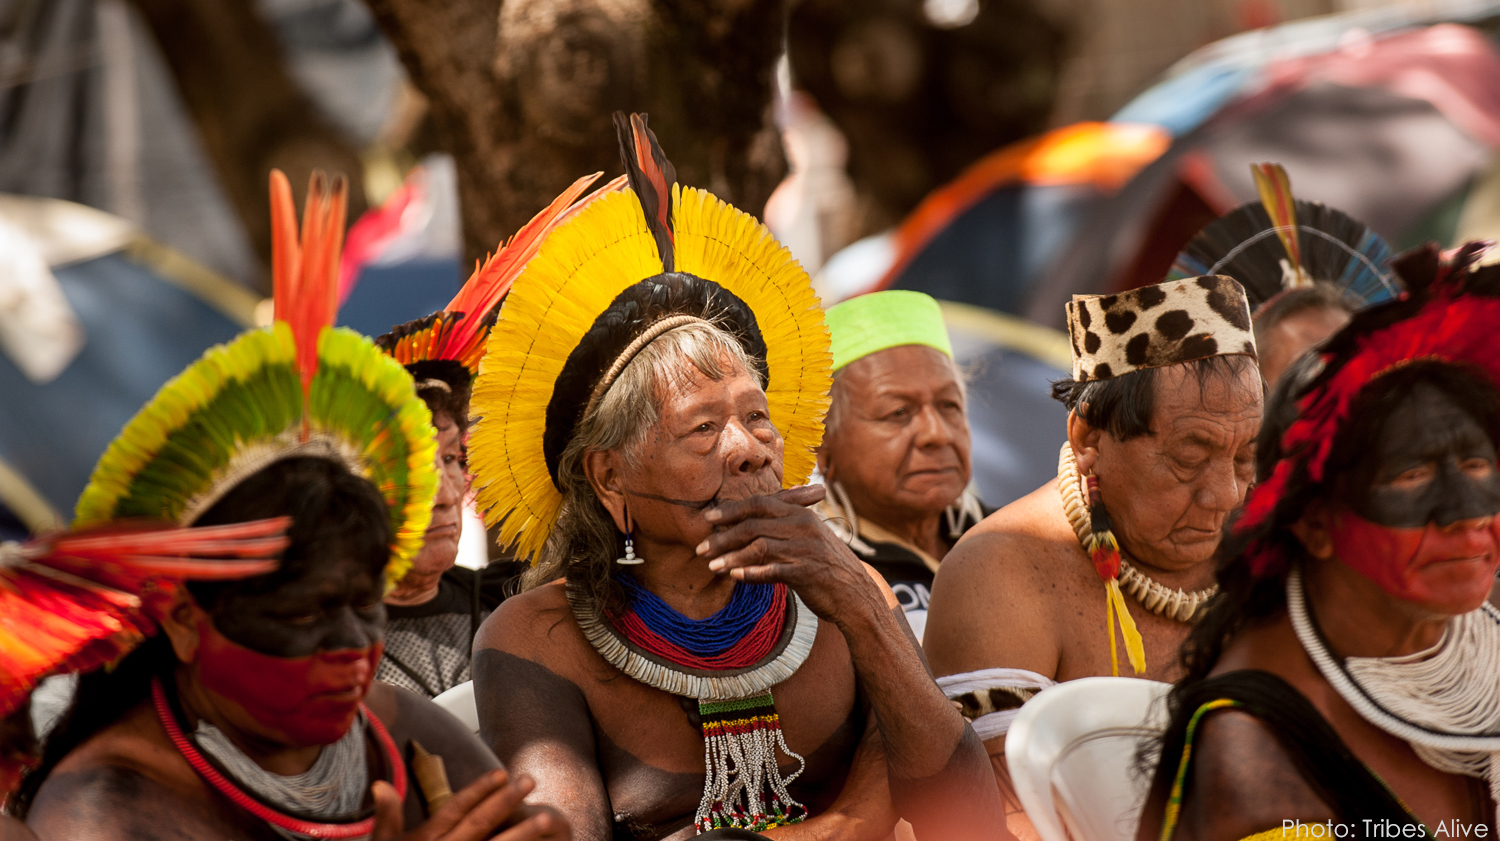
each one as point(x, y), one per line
point(602, 468)
point(1084, 439)
point(1312, 530)
point(181, 623)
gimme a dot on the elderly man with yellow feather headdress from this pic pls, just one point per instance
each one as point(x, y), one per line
point(695, 652)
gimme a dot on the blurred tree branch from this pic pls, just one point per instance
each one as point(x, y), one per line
point(250, 112)
point(521, 93)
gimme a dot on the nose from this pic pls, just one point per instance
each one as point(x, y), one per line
point(451, 486)
point(931, 429)
point(745, 454)
point(348, 636)
point(1220, 489)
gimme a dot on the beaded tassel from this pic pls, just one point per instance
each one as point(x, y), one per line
point(743, 787)
point(1104, 551)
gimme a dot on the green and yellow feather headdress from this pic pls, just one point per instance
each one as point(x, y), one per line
point(600, 282)
point(300, 387)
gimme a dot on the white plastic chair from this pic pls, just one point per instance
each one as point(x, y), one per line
point(1071, 753)
point(459, 702)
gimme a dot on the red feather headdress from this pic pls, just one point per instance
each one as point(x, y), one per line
point(79, 600)
point(1450, 314)
point(458, 332)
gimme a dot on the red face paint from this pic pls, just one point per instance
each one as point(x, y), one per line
point(303, 701)
point(1445, 569)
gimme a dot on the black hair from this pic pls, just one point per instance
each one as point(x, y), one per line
point(1123, 405)
point(329, 506)
point(445, 386)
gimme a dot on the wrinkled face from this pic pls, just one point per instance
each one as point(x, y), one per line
point(1280, 346)
point(440, 546)
point(714, 440)
point(293, 664)
point(901, 450)
point(1169, 492)
point(1420, 520)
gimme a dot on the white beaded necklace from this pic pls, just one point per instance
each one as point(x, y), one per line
point(1180, 605)
point(1445, 701)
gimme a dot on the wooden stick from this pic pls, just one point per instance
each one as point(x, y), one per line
point(431, 775)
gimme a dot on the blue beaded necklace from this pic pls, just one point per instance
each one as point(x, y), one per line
point(704, 637)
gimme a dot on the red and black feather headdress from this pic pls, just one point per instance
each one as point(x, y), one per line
point(1450, 314)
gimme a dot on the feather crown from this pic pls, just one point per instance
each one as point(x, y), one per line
point(1449, 314)
point(78, 600)
point(1281, 242)
point(629, 264)
point(300, 387)
point(458, 332)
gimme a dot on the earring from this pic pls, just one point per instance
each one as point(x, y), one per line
point(1104, 547)
point(630, 559)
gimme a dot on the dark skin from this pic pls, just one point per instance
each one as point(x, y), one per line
point(18, 750)
point(605, 745)
point(1431, 458)
point(129, 782)
point(1019, 592)
point(901, 450)
point(1293, 336)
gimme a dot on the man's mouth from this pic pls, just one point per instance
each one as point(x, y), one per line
point(443, 530)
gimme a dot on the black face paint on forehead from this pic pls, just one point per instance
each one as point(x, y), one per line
point(1432, 463)
point(334, 605)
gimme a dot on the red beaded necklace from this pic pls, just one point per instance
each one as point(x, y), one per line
point(240, 798)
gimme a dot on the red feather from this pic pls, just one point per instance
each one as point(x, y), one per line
point(304, 275)
point(76, 601)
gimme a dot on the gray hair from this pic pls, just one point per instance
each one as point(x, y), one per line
point(585, 543)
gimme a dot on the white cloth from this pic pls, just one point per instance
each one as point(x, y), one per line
point(994, 724)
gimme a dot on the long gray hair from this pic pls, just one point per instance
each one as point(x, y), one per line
point(584, 544)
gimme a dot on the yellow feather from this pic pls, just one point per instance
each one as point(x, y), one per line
point(1135, 649)
point(581, 268)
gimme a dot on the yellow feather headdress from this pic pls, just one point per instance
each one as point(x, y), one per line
point(298, 387)
point(581, 270)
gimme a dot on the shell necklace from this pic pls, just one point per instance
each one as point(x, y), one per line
point(1178, 605)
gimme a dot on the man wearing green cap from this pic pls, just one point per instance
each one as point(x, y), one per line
point(895, 456)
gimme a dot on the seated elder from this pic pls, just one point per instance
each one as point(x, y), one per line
point(895, 456)
point(696, 652)
point(1348, 670)
point(1302, 288)
point(254, 715)
point(1164, 405)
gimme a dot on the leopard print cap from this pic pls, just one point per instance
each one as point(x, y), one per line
point(1153, 326)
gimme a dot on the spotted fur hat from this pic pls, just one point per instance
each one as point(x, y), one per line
point(1166, 324)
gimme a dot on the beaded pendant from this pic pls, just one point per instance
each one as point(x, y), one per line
point(744, 787)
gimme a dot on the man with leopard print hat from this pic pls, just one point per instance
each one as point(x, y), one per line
point(1163, 408)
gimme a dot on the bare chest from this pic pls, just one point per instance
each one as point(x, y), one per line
point(651, 748)
point(1082, 615)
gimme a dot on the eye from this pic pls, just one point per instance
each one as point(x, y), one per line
point(302, 620)
point(1414, 476)
point(704, 427)
point(1477, 467)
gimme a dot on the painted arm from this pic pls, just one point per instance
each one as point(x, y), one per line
point(538, 724)
point(938, 774)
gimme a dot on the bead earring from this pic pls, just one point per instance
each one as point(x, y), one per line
point(629, 559)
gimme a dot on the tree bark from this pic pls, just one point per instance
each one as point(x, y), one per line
point(917, 101)
point(250, 112)
point(521, 93)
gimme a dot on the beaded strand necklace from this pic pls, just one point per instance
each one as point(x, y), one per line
point(728, 662)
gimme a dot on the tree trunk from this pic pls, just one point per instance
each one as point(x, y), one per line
point(920, 97)
point(521, 92)
point(250, 112)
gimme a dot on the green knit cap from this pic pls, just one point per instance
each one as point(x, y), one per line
point(871, 323)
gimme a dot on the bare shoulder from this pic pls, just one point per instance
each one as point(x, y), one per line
point(121, 785)
point(532, 624)
point(411, 718)
point(1243, 782)
point(992, 599)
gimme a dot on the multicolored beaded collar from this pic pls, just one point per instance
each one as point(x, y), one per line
point(728, 662)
